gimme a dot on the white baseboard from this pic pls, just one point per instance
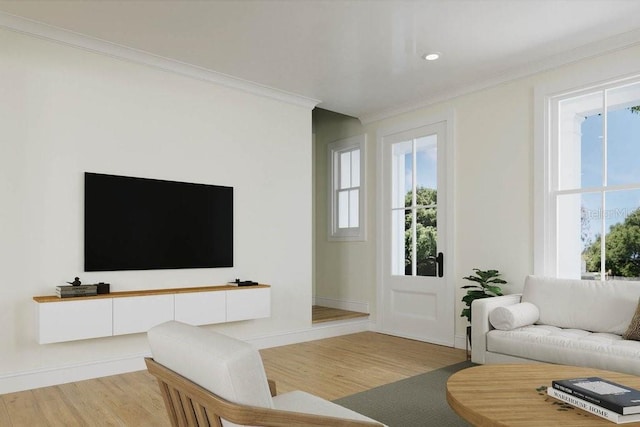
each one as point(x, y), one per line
point(36, 378)
point(359, 306)
point(316, 332)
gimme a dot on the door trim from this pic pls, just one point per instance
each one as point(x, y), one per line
point(448, 117)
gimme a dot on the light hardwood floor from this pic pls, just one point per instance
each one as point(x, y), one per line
point(321, 314)
point(329, 368)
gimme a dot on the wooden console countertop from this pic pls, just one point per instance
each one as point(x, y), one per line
point(147, 292)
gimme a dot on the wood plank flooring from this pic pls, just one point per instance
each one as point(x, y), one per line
point(340, 366)
point(329, 368)
point(321, 314)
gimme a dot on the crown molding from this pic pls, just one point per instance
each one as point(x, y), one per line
point(591, 50)
point(91, 44)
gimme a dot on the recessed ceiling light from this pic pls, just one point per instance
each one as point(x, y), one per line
point(431, 56)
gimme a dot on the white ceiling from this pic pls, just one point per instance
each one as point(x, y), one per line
point(361, 58)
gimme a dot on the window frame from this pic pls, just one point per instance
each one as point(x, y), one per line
point(546, 168)
point(334, 150)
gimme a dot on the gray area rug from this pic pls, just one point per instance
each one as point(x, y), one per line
point(418, 401)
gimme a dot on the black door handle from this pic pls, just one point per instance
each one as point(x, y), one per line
point(440, 261)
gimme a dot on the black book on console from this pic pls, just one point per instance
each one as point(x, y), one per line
point(616, 397)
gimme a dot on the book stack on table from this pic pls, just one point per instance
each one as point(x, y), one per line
point(76, 291)
point(609, 400)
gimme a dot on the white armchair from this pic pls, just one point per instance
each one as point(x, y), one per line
point(207, 378)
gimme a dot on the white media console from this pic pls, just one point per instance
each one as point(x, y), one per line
point(119, 313)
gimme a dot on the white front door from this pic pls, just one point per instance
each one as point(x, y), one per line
point(416, 292)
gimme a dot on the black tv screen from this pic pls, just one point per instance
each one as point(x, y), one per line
point(146, 224)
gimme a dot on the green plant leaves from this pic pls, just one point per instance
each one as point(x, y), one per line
point(485, 287)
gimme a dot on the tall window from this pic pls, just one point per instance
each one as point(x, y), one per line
point(346, 208)
point(594, 183)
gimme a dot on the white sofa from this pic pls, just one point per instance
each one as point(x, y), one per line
point(562, 321)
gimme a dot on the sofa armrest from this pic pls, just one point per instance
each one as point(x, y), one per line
point(480, 325)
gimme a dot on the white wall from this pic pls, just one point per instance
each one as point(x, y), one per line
point(65, 111)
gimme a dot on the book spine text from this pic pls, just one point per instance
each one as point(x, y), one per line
point(588, 406)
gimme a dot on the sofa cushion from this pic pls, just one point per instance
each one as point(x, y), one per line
point(583, 304)
point(568, 346)
point(633, 331)
point(514, 316)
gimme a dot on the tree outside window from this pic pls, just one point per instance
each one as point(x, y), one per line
point(426, 232)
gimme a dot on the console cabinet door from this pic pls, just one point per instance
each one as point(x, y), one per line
point(243, 304)
point(139, 314)
point(201, 308)
point(82, 318)
point(74, 320)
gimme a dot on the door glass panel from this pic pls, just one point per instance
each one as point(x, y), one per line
point(401, 173)
point(409, 250)
point(427, 241)
point(414, 186)
point(399, 243)
point(427, 162)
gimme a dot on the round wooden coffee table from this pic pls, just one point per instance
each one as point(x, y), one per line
point(509, 395)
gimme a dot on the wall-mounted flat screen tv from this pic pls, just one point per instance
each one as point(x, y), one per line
point(147, 224)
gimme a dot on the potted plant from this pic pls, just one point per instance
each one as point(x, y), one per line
point(485, 286)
